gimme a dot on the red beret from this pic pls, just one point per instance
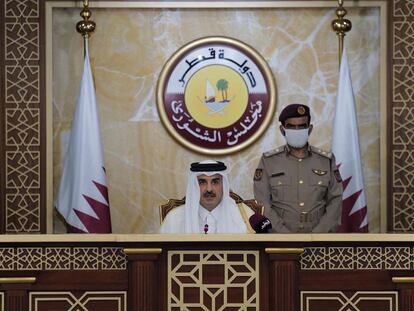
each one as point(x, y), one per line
point(294, 111)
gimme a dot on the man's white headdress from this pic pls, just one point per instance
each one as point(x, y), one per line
point(230, 220)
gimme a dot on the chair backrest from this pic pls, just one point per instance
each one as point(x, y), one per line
point(173, 203)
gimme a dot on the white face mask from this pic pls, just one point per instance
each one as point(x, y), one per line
point(297, 138)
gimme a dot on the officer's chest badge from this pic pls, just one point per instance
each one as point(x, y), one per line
point(319, 172)
point(258, 174)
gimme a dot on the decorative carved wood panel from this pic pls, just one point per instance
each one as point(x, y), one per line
point(401, 86)
point(23, 148)
point(355, 301)
point(213, 280)
point(83, 301)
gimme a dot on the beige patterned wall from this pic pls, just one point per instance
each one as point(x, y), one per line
point(145, 165)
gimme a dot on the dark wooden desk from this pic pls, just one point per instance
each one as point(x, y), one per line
point(207, 272)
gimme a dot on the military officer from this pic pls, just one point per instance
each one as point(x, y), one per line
point(299, 185)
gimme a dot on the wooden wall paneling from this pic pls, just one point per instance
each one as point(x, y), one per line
point(78, 300)
point(23, 149)
point(349, 300)
point(401, 116)
point(264, 285)
point(2, 123)
point(284, 282)
point(16, 295)
point(143, 280)
point(16, 300)
point(407, 298)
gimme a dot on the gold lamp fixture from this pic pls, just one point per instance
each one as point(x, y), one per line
point(341, 26)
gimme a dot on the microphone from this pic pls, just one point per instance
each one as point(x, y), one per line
point(260, 223)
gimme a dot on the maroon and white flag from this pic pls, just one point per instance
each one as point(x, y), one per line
point(345, 146)
point(83, 192)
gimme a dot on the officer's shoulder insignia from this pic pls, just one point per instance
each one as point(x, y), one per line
point(272, 152)
point(258, 174)
point(322, 152)
point(319, 172)
point(337, 175)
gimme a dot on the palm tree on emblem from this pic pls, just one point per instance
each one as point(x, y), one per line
point(223, 85)
point(210, 96)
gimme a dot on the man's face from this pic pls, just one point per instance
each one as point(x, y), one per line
point(296, 124)
point(211, 190)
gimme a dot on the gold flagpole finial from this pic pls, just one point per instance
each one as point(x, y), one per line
point(85, 27)
point(341, 26)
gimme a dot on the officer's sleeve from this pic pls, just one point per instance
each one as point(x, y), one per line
point(262, 193)
point(331, 219)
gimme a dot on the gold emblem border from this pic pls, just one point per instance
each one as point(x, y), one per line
point(173, 60)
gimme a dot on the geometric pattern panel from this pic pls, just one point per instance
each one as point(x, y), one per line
point(403, 218)
point(348, 301)
point(401, 133)
point(403, 8)
point(213, 280)
point(403, 126)
point(86, 301)
point(21, 164)
point(62, 258)
point(404, 168)
point(357, 258)
point(403, 83)
point(403, 46)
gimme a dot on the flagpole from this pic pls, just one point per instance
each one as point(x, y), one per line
point(85, 27)
point(341, 26)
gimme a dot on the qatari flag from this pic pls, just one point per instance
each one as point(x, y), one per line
point(345, 146)
point(83, 192)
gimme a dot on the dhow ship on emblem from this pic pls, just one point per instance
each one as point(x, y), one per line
point(211, 95)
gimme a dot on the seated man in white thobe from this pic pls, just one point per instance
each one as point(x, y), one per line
point(208, 206)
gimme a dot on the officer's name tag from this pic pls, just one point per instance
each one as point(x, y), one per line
point(278, 174)
point(319, 172)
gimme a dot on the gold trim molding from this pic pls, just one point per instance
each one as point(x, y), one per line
point(284, 250)
point(403, 279)
point(18, 280)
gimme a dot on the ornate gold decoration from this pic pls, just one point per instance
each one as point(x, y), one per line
point(134, 251)
point(356, 301)
point(73, 301)
point(341, 26)
point(18, 280)
point(213, 280)
point(284, 250)
point(85, 27)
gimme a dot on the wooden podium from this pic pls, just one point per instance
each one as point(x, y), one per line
point(304, 272)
